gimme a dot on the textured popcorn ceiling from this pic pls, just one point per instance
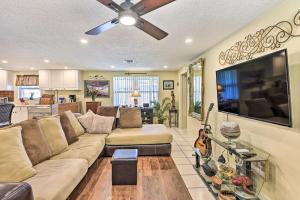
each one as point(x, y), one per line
point(34, 30)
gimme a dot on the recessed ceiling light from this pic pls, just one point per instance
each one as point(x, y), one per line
point(31, 68)
point(165, 66)
point(46, 61)
point(66, 67)
point(4, 61)
point(188, 40)
point(83, 41)
point(112, 66)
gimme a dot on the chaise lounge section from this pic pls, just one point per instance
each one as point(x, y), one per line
point(151, 139)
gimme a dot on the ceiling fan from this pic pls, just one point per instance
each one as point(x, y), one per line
point(130, 14)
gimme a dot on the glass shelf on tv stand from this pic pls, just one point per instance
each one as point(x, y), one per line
point(233, 148)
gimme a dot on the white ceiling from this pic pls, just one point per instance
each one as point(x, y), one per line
point(32, 31)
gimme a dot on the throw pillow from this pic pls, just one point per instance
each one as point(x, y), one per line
point(108, 111)
point(68, 129)
point(130, 118)
point(75, 123)
point(102, 125)
point(15, 166)
point(51, 127)
point(35, 142)
point(86, 120)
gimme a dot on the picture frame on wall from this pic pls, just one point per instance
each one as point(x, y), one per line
point(101, 87)
point(168, 84)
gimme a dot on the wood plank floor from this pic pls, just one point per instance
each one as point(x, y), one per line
point(158, 179)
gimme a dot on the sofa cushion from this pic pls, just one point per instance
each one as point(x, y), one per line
point(130, 118)
point(15, 166)
point(54, 133)
point(109, 111)
point(35, 142)
point(88, 148)
point(56, 179)
point(68, 129)
point(75, 123)
point(86, 120)
point(102, 125)
point(148, 134)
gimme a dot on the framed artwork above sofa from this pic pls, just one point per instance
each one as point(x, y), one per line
point(101, 87)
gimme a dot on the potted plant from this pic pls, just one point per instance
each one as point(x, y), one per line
point(93, 93)
point(160, 109)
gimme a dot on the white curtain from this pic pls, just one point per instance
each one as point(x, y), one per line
point(148, 86)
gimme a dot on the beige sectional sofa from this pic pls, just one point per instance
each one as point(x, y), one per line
point(58, 176)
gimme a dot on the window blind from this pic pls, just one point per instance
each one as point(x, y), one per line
point(123, 86)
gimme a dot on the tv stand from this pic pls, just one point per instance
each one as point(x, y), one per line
point(255, 167)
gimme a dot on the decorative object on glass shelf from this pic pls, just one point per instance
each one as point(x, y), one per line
point(230, 130)
point(226, 171)
point(135, 94)
point(272, 37)
point(243, 181)
point(217, 182)
point(210, 168)
point(160, 109)
point(168, 84)
point(96, 88)
point(226, 195)
point(221, 158)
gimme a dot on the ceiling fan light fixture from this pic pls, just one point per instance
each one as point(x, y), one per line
point(128, 18)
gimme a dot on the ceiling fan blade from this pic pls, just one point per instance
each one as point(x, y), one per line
point(112, 5)
point(145, 6)
point(103, 27)
point(152, 30)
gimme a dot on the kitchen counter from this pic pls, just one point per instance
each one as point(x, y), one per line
point(24, 112)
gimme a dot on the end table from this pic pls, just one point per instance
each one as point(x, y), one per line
point(173, 117)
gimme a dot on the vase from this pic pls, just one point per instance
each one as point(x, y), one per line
point(93, 97)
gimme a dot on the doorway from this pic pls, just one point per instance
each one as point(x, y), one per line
point(183, 100)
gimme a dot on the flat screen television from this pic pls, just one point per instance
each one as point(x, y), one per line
point(257, 89)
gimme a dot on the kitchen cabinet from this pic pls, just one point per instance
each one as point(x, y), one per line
point(6, 80)
point(45, 79)
point(59, 79)
point(71, 79)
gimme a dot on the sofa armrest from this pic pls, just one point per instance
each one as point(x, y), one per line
point(15, 191)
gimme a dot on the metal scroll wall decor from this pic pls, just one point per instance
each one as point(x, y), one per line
point(271, 37)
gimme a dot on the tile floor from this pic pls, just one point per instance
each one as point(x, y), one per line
point(182, 154)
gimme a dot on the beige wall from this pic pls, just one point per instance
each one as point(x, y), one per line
point(281, 142)
point(108, 75)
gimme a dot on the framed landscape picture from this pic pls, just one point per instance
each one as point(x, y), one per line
point(168, 85)
point(101, 87)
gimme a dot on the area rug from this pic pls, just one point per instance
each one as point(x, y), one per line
point(158, 178)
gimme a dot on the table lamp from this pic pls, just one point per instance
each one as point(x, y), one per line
point(135, 94)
